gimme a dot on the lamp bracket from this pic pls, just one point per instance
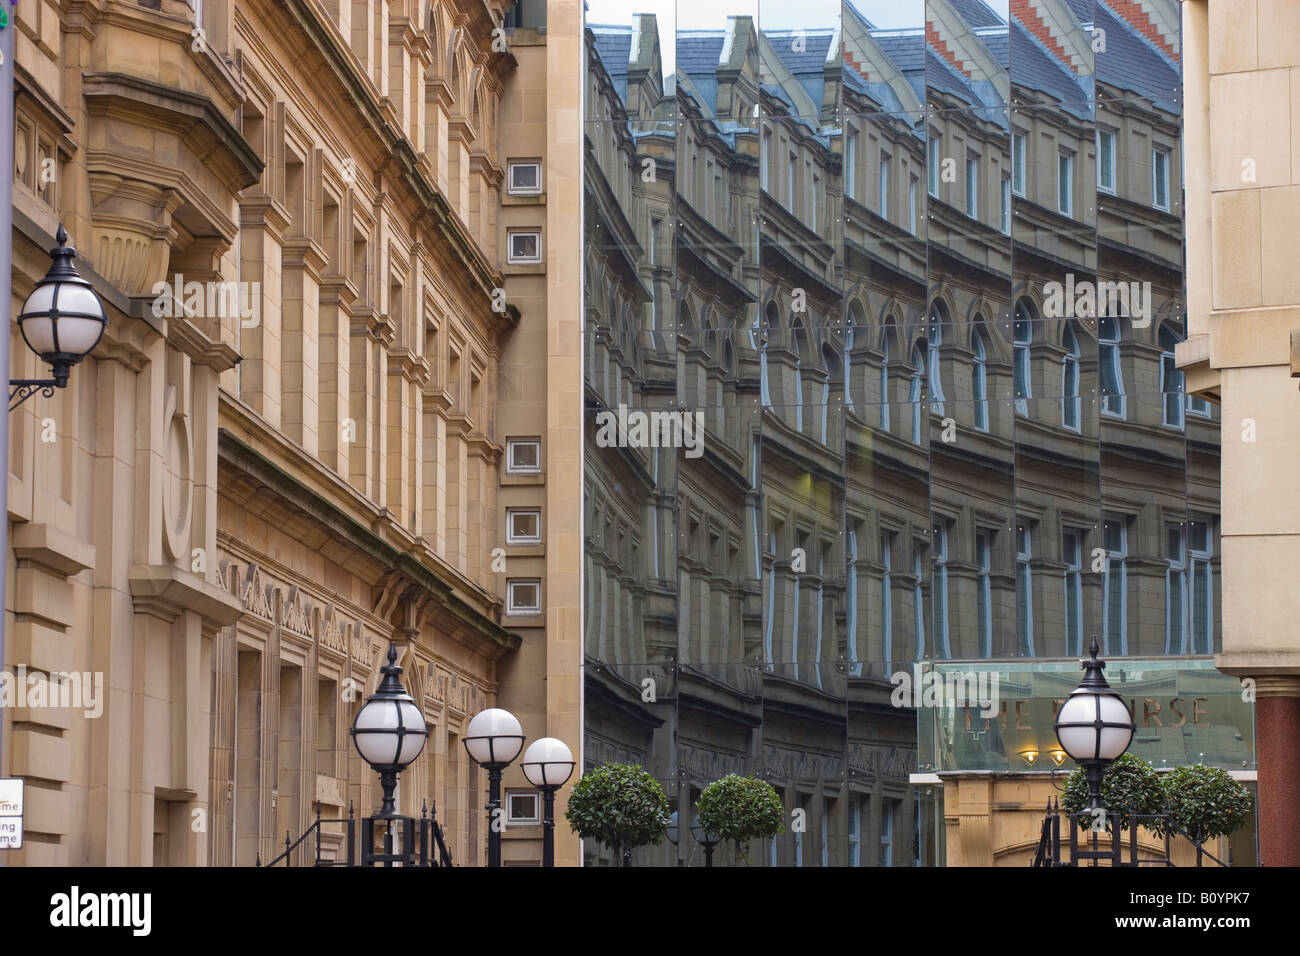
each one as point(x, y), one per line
point(21, 389)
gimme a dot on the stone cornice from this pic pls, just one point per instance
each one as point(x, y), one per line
point(414, 368)
point(485, 635)
point(304, 253)
point(187, 337)
point(373, 324)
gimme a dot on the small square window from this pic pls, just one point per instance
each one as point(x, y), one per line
point(525, 247)
point(523, 526)
point(524, 597)
point(525, 179)
point(523, 456)
point(522, 808)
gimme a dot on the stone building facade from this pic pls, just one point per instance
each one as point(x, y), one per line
point(319, 420)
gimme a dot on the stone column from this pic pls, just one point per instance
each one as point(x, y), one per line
point(1277, 754)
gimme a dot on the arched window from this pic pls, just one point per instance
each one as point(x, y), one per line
point(979, 381)
point(914, 389)
point(1112, 381)
point(1171, 380)
point(934, 367)
point(1023, 337)
point(857, 326)
point(1070, 381)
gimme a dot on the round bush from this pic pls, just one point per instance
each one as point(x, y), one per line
point(740, 809)
point(1128, 783)
point(1205, 802)
point(619, 805)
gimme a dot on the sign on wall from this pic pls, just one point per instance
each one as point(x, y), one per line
point(11, 813)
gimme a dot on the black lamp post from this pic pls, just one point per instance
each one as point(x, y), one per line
point(493, 740)
point(1094, 725)
point(61, 321)
point(548, 765)
point(389, 732)
point(708, 840)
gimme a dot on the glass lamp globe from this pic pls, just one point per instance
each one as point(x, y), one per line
point(548, 763)
point(63, 318)
point(697, 831)
point(494, 737)
point(389, 731)
point(672, 830)
point(1094, 724)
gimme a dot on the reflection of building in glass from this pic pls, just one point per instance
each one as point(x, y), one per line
point(925, 284)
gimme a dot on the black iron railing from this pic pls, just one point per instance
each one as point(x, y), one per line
point(421, 842)
point(1104, 843)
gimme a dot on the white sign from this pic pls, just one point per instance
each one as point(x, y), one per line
point(11, 814)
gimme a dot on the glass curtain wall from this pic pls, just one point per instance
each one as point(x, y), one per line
point(881, 305)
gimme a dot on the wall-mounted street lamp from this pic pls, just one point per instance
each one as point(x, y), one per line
point(1094, 725)
point(61, 321)
point(493, 740)
point(548, 765)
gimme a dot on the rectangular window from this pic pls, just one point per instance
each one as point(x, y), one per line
point(1072, 557)
point(524, 248)
point(886, 598)
point(972, 186)
point(851, 166)
point(855, 831)
point(654, 240)
point(882, 186)
point(1202, 602)
point(1114, 586)
point(1006, 205)
point(1065, 184)
point(1198, 406)
point(918, 600)
point(524, 597)
point(932, 166)
point(939, 592)
point(813, 201)
point(765, 158)
point(1175, 591)
point(911, 205)
point(525, 178)
point(1171, 387)
point(523, 526)
point(1024, 593)
point(984, 590)
point(522, 808)
point(791, 180)
point(1105, 160)
point(887, 833)
point(1018, 144)
point(523, 456)
point(1160, 179)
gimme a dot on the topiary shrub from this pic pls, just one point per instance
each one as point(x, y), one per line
point(740, 809)
point(1128, 783)
point(1205, 802)
point(619, 805)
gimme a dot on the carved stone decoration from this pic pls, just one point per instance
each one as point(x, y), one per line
point(334, 631)
point(363, 649)
point(177, 497)
point(297, 613)
point(131, 222)
point(256, 594)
